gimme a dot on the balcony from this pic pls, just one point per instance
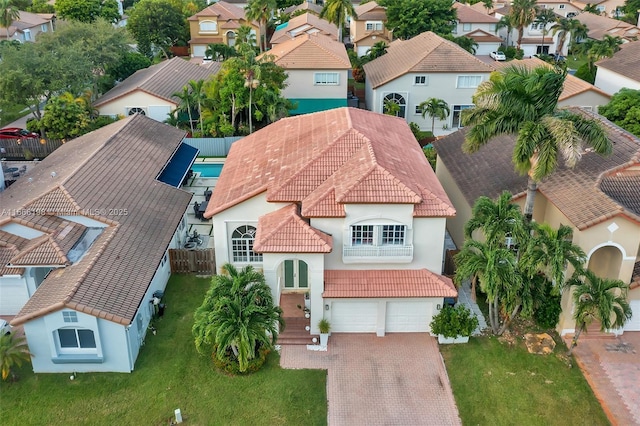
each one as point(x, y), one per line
point(365, 254)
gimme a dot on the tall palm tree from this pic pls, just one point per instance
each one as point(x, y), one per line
point(523, 13)
point(186, 104)
point(598, 299)
point(505, 22)
point(261, 11)
point(436, 108)
point(524, 102)
point(591, 8)
point(545, 17)
point(564, 26)
point(246, 36)
point(8, 14)
point(198, 96)
point(13, 351)
point(237, 316)
point(336, 12)
point(251, 71)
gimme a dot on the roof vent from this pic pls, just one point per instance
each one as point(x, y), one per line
point(53, 174)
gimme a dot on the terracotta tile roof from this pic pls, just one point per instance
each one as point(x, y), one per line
point(600, 25)
point(111, 175)
point(6, 253)
point(43, 251)
point(329, 158)
point(625, 62)
point(481, 36)
point(284, 231)
point(537, 40)
point(306, 6)
point(55, 202)
point(624, 187)
point(426, 53)
point(572, 85)
point(370, 11)
point(310, 51)
point(161, 80)
point(467, 14)
point(223, 10)
point(206, 40)
point(307, 22)
point(386, 283)
point(576, 192)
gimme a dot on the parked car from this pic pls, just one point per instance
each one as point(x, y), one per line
point(498, 56)
point(16, 133)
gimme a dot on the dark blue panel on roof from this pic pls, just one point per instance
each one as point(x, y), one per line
point(177, 168)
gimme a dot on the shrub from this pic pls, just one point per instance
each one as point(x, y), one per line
point(586, 73)
point(231, 365)
point(454, 321)
point(547, 312)
point(511, 52)
point(432, 156)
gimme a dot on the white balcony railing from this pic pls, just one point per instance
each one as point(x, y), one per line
point(377, 251)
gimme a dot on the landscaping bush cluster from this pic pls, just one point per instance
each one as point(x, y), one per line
point(230, 364)
point(547, 313)
point(512, 53)
point(454, 321)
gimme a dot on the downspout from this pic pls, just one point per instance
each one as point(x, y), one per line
point(127, 328)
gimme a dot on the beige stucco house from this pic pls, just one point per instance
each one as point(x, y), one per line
point(307, 23)
point(599, 198)
point(28, 26)
point(620, 71)
point(609, 8)
point(478, 26)
point(368, 27)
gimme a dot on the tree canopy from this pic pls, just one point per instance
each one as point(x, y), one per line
point(87, 10)
point(157, 25)
point(408, 18)
point(624, 110)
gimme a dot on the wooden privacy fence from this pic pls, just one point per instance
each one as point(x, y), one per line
point(28, 148)
point(184, 261)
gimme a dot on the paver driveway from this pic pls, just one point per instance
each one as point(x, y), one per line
point(398, 379)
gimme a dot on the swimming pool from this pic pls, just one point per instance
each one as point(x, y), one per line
point(210, 170)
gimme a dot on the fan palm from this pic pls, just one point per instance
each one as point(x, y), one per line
point(524, 102)
point(436, 108)
point(261, 11)
point(13, 351)
point(523, 13)
point(8, 14)
point(545, 17)
point(598, 299)
point(336, 12)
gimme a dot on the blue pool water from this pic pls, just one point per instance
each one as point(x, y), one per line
point(210, 170)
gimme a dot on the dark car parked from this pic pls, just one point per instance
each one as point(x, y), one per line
point(16, 133)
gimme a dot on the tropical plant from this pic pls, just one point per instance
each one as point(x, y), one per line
point(505, 22)
point(324, 326)
point(436, 108)
point(598, 299)
point(565, 26)
point(237, 317)
point(378, 49)
point(467, 43)
point(13, 351)
point(246, 39)
point(624, 110)
point(336, 12)
point(186, 104)
point(522, 14)
point(545, 17)
point(261, 11)
point(591, 8)
point(524, 102)
point(219, 52)
point(390, 107)
point(453, 322)
point(408, 18)
point(8, 14)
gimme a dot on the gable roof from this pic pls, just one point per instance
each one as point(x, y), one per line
point(327, 159)
point(428, 53)
point(26, 21)
point(600, 25)
point(370, 11)
point(161, 80)
point(481, 36)
point(625, 62)
point(305, 6)
point(467, 14)
point(310, 51)
point(110, 175)
point(305, 23)
point(593, 191)
point(221, 10)
point(572, 85)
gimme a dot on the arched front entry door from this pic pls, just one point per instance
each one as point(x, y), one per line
point(605, 262)
point(296, 274)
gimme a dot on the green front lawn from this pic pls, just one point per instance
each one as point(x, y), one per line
point(169, 374)
point(495, 384)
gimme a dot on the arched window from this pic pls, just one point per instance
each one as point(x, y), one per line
point(208, 27)
point(242, 244)
point(136, 110)
point(231, 38)
point(397, 99)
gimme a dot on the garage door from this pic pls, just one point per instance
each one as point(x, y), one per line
point(634, 323)
point(198, 51)
point(13, 296)
point(159, 112)
point(354, 316)
point(408, 316)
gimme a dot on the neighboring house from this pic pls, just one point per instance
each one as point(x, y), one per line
point(218, 23)
point(84, 241)
point(317, 72)
point(611, 8)
point(599, 26)
point(425, 66)
point(532, 40)
point(306, 23)
point(341, 204)
point(577, 92)
point(563, 8)
point(369, 27)
point(620, 71)
point(304, 7)
point(28, 26)
point(479, 26)
point(150, 91)
point(599, 198)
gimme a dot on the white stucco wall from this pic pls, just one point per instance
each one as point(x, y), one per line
point(137, 99)
point(301, 85)
point(589, 98)
point(611, 82)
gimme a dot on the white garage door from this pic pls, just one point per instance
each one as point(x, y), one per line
point(363, 50)
point(634, 323)
point(354, 316)
point(159, 112)
point(198, 51)
point(408, 316)
point(13, 296)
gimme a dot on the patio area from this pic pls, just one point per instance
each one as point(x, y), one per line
point(199, 186)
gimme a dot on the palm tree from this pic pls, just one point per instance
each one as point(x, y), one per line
point(390, 107)
point(13, 351)
point(378, 49)
point(598, 299)
point(251, 70)
point(246, 36)
point(198, 96)
point(505, 22)
point(545, 17)
point(237, 316)
point(565, 27)
point(186, 104)
point(261, 11)
point(523, 13)
point(8, 14)
point(591, 8)
point(219, 51)
point(524, 102)
point(336, 12)
point(436, 108)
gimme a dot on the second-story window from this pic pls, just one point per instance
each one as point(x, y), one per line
point(374, 25)
point(378, 235)
point(208, 27)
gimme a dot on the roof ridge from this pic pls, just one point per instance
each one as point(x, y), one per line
point(287, 219)
point(424, 189)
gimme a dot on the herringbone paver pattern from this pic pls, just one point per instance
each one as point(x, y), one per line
point(399, 379)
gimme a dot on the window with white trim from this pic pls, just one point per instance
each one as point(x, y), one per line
point(242, 240)
point(378, 235)
point(326, 78)
point(208, 27)
point(561, 6)
point(420, 80)
point(398, 99)
point(466, 27)
point(601, 8)
point(374, 25)
point(468, 81)
point(136, 110)
point(44, 28)
point(27, 35)
point(455, 114)
point(69, 316)
point(418, 110)
point(76, 338)
point(492, 28)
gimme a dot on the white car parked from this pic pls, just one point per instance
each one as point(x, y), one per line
point(498, 56)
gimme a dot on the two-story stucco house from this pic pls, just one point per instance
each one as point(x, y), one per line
point(307, 23)
point(218, 23)
point(343, 205)
point(317, 72)
point(426, 66)
point(368, 27)
point(537, 38)
point(478, 26)
point(28, 26)
point(84, 239)
point(620, 71)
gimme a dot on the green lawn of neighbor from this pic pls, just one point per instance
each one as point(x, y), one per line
point(497, 384)
point(169, 374)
